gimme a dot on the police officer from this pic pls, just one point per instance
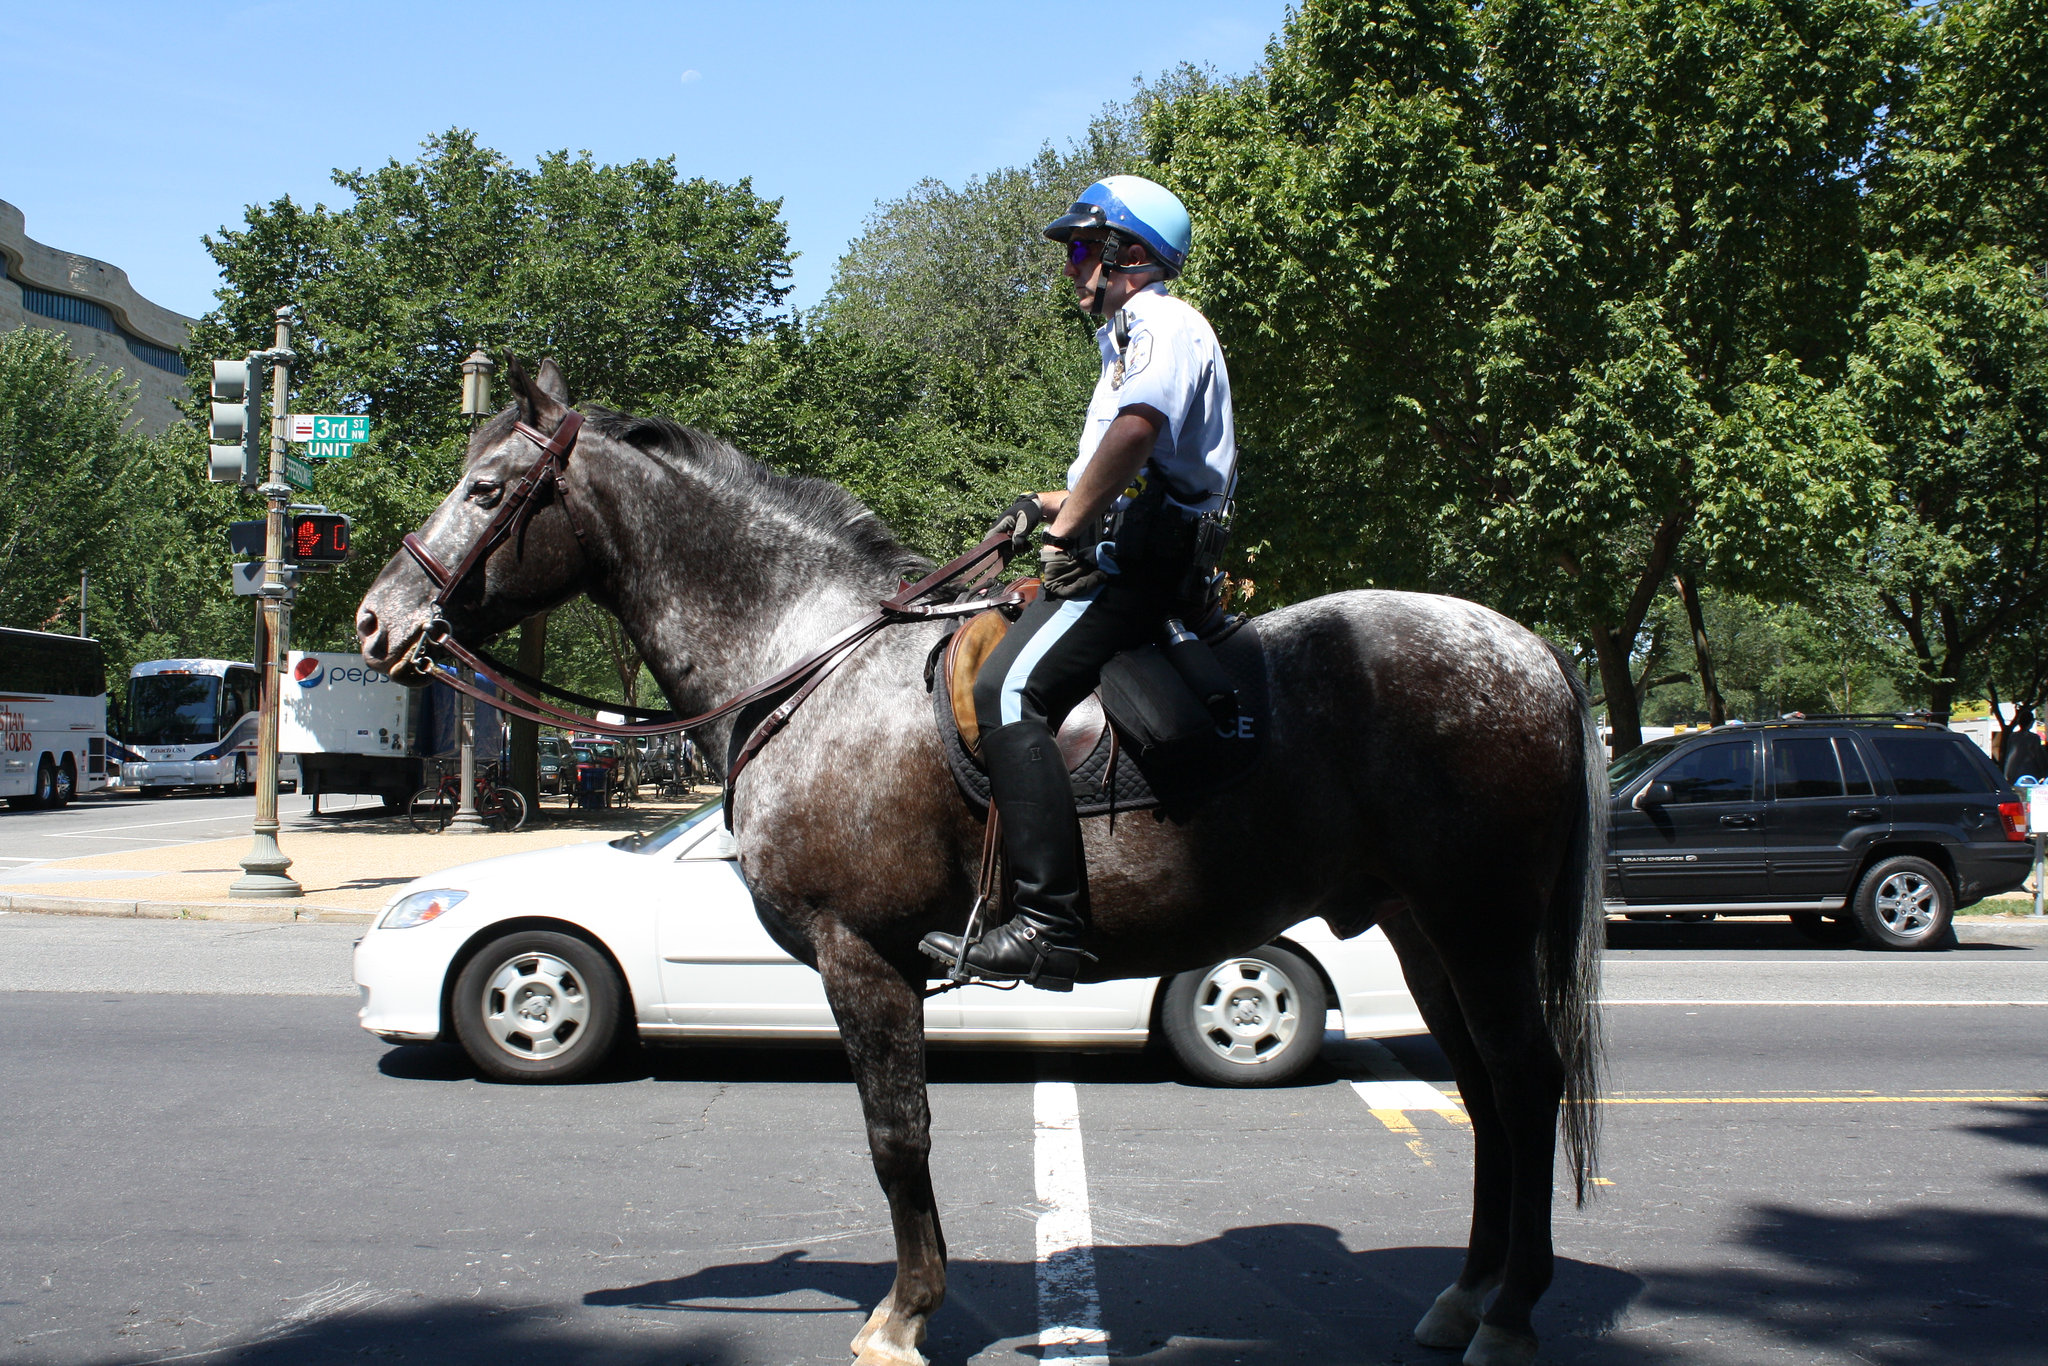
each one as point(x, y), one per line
point(1158, 449)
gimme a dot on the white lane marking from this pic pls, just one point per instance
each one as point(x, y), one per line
point(1392, 1091)
point(1724, 1001)
point(1069, 1306)
point(148, 825)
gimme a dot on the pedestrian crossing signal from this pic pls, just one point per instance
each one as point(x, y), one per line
point(319, 538)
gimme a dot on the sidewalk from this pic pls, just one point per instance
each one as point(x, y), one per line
point(348, 871)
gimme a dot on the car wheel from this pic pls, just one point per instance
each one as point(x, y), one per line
point(1256, 1020)
point(430, 810)
point(538, 1006)
point(1904, 903)
point(1832, 930)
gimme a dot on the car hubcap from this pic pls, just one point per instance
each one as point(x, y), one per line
point(1905, 902)
point(535, 1006)
point(1247, 1010)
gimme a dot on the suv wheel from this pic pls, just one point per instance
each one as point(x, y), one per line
point(1904, 903)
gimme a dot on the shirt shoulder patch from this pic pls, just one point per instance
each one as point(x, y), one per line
point(1134, 359)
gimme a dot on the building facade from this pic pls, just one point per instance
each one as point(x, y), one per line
point(93, 304)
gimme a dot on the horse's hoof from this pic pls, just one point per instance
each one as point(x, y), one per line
point(880, 1352)
point(1453, 1319)
point(1493, 1346)
point(875, 1320)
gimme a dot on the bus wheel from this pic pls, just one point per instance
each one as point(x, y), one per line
point(241, 787)
point(46, 785)
point(67, 782)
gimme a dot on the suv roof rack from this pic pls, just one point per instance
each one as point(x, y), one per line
point(1926, 718)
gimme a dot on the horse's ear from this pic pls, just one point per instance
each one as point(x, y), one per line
point(551, 383)
point(543, 399)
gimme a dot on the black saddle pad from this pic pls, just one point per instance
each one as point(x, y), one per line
point(1110, 778)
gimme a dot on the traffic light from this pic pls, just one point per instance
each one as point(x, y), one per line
point(236, 457)
point(317, 538)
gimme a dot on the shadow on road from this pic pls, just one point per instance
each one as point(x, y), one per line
point(1919, 1281)
point(1267, 1294)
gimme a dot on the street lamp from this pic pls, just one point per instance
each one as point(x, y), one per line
point(476, 386)
point(476, 405)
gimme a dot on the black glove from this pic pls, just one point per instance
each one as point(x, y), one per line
point(1069, 573)
point(1018, 521)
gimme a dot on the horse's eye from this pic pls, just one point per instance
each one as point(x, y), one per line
point(486, 493)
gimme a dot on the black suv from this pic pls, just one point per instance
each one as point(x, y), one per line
point(1858, 828)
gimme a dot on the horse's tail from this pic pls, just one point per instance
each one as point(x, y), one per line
point(1569, 945)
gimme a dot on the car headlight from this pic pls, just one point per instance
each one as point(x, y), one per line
point(421, 907)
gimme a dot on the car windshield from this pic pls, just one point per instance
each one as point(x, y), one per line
point(1631, 765)
point(668, 832)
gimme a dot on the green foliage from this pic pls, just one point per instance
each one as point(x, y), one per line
point(63, 451)
point(1953, 379)
point(80, 490)
point(1569, 281)
point(639, 281)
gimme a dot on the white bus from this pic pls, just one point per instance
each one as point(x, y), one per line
point(53, 717)
point(192, 723)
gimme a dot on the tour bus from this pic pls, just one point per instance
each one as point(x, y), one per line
point(192, 723)
point(53, 717)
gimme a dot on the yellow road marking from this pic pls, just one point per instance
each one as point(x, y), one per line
point(1859, 1099)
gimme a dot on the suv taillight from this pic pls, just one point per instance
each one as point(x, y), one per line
point(2014, 814)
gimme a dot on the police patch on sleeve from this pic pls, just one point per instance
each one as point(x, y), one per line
point(1133, 360)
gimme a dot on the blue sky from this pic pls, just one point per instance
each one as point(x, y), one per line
point(130, 129)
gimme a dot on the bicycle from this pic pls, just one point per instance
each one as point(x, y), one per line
point(503, 808)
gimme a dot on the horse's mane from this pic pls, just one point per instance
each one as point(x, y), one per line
point(818, 504)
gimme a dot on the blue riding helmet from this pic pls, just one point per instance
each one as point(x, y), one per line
point(1137, 209)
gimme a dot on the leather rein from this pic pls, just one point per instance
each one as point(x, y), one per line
point(548, 473)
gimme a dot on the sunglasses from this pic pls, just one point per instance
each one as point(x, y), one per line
point(1079, 251)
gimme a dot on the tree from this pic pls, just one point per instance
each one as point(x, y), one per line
point(638, 280)
point(1526, 300)
point(64, 449)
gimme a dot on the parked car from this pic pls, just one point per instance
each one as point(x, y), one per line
point(552, 749)
point(539, 963)
point(1876, 829)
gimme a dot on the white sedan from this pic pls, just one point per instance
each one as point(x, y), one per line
point(536, 962)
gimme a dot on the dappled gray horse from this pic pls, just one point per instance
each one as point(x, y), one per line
point(1431, 767)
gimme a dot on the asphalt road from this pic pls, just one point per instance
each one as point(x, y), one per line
point(236, 1173)
point(116, 822)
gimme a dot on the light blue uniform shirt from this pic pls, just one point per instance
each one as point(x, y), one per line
point(1173, 364)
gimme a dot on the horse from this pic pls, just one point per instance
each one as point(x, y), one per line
point(1430, 767)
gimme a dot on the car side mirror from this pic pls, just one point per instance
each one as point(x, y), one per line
point(1656, 794)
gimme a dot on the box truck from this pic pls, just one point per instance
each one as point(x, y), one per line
point(354, 730)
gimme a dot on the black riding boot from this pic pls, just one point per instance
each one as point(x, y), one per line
point(1041, 942)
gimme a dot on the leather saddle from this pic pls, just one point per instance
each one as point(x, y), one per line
point(1105, 776)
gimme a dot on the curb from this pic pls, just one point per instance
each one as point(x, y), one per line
point(278, 912)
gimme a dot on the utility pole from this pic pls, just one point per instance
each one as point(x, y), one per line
point(264, 872)
point(476, 405)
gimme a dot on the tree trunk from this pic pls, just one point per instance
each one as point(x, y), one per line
point(1689, 594)
point(1624, 717)
point(524, 760)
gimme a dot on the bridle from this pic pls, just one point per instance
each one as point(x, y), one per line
point(549, 473)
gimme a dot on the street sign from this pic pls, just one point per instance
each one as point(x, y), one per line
point(327, 436)
point(329, 426)
point(297, 472)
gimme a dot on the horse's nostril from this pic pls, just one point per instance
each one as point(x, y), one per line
point(366, 622)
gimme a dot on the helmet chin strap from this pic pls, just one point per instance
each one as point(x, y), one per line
point(1112, 264)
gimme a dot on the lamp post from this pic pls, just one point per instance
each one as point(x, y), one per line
point(476, 405)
